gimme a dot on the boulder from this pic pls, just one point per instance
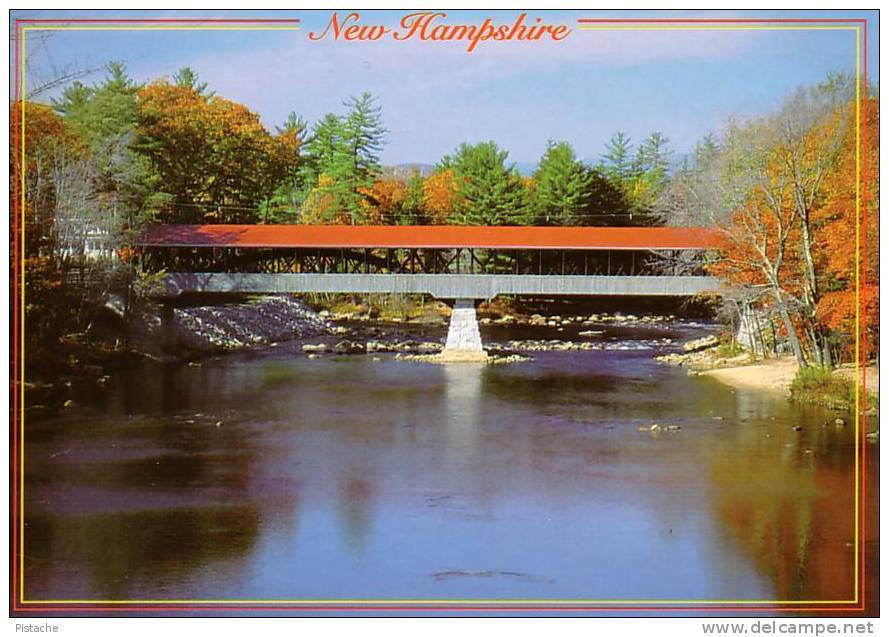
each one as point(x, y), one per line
point(349, 347)
point(701, 343)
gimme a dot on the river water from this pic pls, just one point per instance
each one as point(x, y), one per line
point(272, 476)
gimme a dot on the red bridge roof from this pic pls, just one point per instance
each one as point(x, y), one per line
point(505, 237)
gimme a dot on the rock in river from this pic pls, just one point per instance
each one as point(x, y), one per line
point(349, 347)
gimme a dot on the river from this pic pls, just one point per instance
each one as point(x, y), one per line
point(268, 475)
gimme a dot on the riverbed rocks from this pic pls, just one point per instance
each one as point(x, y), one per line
point(700, 344)
point(702, 355)
point(464, 356)
point(557, 345)
point(349, 347)
point(261, 321)
point(354, 347)
point(488, 317)
point(657, 428)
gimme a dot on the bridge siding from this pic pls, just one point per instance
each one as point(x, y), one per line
point(444, 286)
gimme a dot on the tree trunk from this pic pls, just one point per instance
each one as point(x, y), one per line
point(791, 330)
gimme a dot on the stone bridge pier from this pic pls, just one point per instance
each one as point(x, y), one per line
point(464, 342)
point(463, 334)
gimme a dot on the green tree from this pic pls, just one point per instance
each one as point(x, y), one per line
point(488, 191)
point(323, 175)
point(364, 135)
point(343, 161)
point(74, 98)
point(100, 112)
point(284, 204)
point(323, 146)
point(608, 203)
point(125, 190)
point(187, 78)
point(412, 209)
point(705, 150)
point(650, 173)
point(653, 163)
point(617, 160)
point(562, 186)
point(294, 124)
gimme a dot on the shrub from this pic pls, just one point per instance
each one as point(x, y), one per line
point(819, 385)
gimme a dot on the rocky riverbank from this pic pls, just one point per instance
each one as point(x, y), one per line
point(90, 367)
point(220, 328)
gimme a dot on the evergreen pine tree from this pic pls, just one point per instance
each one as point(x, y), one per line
point(617, 160)
point(187, 78)
point(562, 186)
point(488, 191)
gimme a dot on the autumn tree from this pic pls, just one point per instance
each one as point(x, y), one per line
point(54, 162)
point(213, 155)
point(56, 171)
point(838, 220)
point(439, 196)
point(810, 131)
point(780, 188)
point(385, 199)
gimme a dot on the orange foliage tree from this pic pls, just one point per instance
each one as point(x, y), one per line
point(384, 200)
point(439, 196)
point(56, 167)
point(213, 155)
point(51, 150)
point(782, 191)
point(839, 219)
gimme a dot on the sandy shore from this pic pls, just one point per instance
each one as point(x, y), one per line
point(774, 375)
point(777, 375)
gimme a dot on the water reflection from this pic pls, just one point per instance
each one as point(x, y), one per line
point(276, 476)
point(790, 509)
point(356, 507)
point(462, 403)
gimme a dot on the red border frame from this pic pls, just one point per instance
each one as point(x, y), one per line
point(174, 609)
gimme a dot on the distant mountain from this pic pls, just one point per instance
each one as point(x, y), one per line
point(526, 168)
point(404, 171)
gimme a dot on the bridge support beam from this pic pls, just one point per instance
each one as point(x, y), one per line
point(464, 340)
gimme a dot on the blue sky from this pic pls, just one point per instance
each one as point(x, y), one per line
point(434, 95)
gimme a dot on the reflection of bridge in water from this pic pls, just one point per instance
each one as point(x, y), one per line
point(458, 263)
